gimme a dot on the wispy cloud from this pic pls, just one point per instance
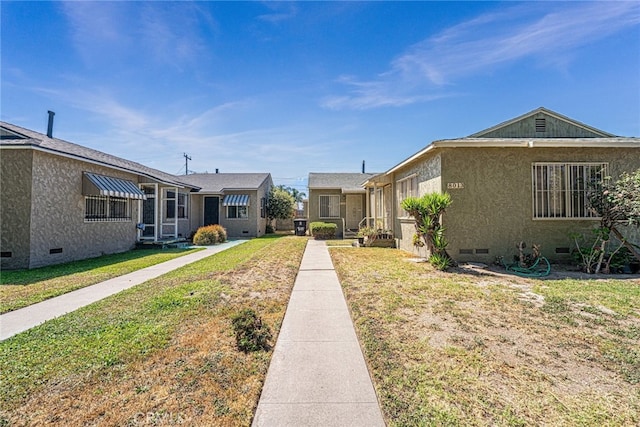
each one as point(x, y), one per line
point(545, 32)
point(280, 11)
point(165, 33)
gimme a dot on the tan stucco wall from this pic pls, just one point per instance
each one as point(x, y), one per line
point(253, 226)
point(314, 207)
point(57, 216)
point(428, 171)
point(494, 209)
point(15, 207)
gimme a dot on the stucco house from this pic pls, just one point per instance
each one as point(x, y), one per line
point(237, 201)
point(338, 198)
point(60, 201)
point(521, 180)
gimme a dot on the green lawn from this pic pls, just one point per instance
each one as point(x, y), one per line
point(165, 347)
point(20, 288)
point(463, 349)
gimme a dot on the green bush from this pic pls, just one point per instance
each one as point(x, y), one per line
point(440, 261)
point(210, 235)
point(251, 334)
point(323, 230)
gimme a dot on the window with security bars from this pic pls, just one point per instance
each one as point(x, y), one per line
point(330, 206)
point(560, 190)
point(103, 208)
point(407, 187)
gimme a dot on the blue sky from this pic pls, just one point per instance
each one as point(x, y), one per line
point(292, 88)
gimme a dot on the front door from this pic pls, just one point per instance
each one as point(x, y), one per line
point(211, 210)
point(354, 211)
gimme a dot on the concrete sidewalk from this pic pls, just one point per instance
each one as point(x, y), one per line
point(317, 376)
point(17, 321)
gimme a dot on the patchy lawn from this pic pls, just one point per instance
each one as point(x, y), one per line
point(160, 353)
point(472, 348)
point(21, 288)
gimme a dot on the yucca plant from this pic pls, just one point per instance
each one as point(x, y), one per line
point(427, 211)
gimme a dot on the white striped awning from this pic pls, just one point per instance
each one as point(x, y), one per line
point(100, 185)
point(236, 200)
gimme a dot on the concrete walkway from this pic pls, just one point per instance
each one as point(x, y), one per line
point(317, 376)
point(17, 321)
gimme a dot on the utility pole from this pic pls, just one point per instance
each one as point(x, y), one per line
point(186, 163)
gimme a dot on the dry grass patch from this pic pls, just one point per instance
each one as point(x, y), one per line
point(464, 348)
point(160, 353)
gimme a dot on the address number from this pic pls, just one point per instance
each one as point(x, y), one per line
point(455, 185)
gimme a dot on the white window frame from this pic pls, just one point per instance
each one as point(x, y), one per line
point(559, 189)
point(108, 210)
point(406, 187)
point(238, 212)
point(331, 204)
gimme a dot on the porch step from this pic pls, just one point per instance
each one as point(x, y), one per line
point(163, 244)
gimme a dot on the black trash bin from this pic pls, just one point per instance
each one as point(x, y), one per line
point(300, 226)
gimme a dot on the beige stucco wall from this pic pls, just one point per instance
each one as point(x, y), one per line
point(57, 215)
point(253, 226)
point(428, 171)
point(15, 207)
point(493, 211)
point(314, 207)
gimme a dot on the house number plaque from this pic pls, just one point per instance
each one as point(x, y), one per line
point(455, 185)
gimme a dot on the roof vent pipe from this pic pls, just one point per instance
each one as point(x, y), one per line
point(363, 166)
point(50, 125)
point(217, 171)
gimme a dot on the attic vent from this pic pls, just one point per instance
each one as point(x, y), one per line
point(541, 125)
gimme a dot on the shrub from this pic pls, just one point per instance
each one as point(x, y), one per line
point(210, 235)
point(269, 229)
point(251, 334)
point(440, 261)
point(222, 233)
point(323, 230)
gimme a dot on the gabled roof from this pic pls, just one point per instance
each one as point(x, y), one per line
point(541, 111)
point(347, 182)
point(218, 183)
point(477, 140)
point(16, 137)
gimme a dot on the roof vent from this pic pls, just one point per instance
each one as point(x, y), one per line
point(541, 125)
point(50, 124)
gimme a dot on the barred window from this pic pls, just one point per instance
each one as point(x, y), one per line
point(329, 206)
point(560, 189)
point(103, 208)
point(407, 187)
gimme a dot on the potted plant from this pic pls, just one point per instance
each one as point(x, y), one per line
point(365, 232)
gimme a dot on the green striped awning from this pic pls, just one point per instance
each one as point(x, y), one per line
point(100, 185)
point(236, 200)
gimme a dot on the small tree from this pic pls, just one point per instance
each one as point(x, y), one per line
point(617, 204)
point(280, 205)
point(427, 211)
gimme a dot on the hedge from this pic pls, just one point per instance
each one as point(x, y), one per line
point(323, 230)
